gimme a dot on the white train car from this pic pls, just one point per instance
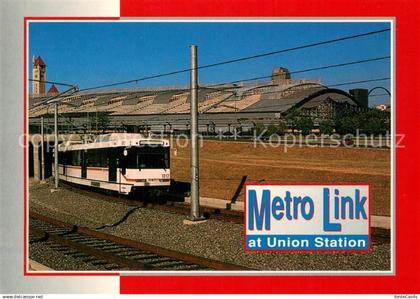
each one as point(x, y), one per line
point(120, 162)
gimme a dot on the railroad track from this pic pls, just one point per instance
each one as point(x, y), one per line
point(164, 205)
point(110, 252)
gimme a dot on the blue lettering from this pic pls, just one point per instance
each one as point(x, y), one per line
point(310, 214)
point(346, 201)
point(276, 207)
point(261, 214)
point(327, 225)
point(359, 209)
point(288, 200)
point(337, 204)
point(296, 201)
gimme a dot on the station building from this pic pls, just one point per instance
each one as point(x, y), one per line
point(222, 107)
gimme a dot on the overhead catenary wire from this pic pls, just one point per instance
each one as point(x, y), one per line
point(304, 70)
point(271, 92)
point(52, 82)
point(255, 78)
point(359, 82)
point(334, 85)
point(330, 85)
point(159, 115)
point(235, 60)
point(221, 89)
point(151, 93)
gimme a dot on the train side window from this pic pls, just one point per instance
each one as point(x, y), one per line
point(76, 159)
point(69, 158)
point(91, 159)
point(104, 157)
point(123, 164)
point(62, 158)
point(131, 157)
point(98, 157)
point(153, 157)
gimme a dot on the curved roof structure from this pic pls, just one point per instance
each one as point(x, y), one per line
point(304, 98)
point(266, 97)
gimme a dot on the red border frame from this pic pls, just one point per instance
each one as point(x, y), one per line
point(406, 279)
point(369, 249)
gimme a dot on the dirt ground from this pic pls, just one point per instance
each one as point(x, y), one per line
point(224, 163)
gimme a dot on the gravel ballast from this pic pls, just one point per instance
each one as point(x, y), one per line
point(53, 259)
point(213, 239)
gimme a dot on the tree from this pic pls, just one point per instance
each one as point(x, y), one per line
point(347, 124)
point(374, 122)
point(292, 116)
point(259, 128)
point(346, 121)
point(271, 129)
point(305, 124)
point(274, 128)
point(281, 128)
point(326, 127)
point(371, 122)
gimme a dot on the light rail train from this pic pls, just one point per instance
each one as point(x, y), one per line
point(121, 162)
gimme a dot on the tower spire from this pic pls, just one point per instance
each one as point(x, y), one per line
point(39, 74)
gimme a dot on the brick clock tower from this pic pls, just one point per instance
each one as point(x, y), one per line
point(39, 72)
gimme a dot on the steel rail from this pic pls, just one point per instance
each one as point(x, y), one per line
point(176, 255)
point(111, 258)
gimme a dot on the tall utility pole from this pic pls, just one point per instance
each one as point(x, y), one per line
point(42, 150)
point(54, 100)
point(56, 175)
point(195, 191)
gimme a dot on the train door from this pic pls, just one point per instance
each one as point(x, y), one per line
point(84, 163)
point(112, 165)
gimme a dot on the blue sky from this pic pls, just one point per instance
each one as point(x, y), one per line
point(91, 54)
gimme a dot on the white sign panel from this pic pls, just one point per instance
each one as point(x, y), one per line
point(307, 217)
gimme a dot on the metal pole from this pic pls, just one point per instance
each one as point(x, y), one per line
point(42, 150)
point(195, 194)
point(56, 145)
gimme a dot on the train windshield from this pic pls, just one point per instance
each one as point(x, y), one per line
point(148, 157)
